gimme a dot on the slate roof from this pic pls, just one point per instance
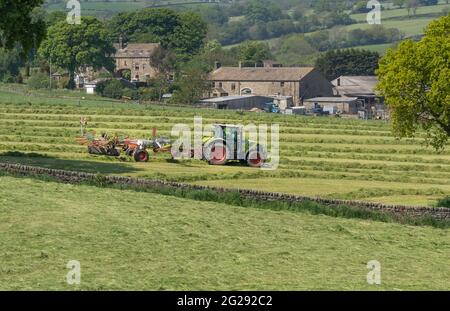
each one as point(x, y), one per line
point(332, 99)
point(282, 74)
point(136, 50)
point(355, 84)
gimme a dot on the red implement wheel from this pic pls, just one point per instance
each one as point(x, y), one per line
point(218, 154)
point(255, 159)
point(141, 156)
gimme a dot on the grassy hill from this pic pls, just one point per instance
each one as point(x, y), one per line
point(410, 26)
point(106, 9)
point(330, 157)
point(140, 241)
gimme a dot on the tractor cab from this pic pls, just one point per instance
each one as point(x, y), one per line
point(233, 136)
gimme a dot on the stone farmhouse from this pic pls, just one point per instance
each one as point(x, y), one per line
point(136, 58)
point(271, 80)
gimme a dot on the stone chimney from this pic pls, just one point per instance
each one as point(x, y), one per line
point(240, 64)
point(339, 82)
point(121, 42)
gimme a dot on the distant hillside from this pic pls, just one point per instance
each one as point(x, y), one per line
point(297, 31)
point(296, 49)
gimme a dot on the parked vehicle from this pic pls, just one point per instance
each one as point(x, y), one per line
point(272, 108)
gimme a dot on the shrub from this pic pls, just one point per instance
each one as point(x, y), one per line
point(149, 94)
point(8, 78)
point(63, 83)
point(130, 94)
point(445, 202)
point(112, 89)
point(39, 81)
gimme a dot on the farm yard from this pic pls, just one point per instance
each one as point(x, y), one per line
point(326, 157)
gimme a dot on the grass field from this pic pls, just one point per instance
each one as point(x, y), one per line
point(141, 241)
point(109, 8)
point(336, 158)
point(431, 11)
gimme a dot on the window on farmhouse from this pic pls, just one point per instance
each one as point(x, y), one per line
point(282, 84)
point(233, 87)
point(136, 67)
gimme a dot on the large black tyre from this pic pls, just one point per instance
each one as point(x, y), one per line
point(141, 156)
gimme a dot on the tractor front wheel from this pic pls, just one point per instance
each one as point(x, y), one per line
point(141, 156)
point(255, 159)
point(217, 154)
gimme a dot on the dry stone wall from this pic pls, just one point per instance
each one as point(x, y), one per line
point(77, 177)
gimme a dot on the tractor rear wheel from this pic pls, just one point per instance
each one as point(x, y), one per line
point(217, 153)
point(255, 159)
point(141, 156)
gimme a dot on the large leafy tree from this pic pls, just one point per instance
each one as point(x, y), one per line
point(72, 46)
point(414, 79)
point(253, 52)
point(182, 32)
point(17, 24)
point(352, 62)
point(10, 62)
point(189, 35)
point(191, 83)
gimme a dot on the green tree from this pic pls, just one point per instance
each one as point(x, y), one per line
point(414, 79)
point(112, 89)
point(72, 46)
point(351, 62)
point(182, 32)
point(253, 52)
point(39, 80)
point(213, 52)
point(10, 62)
point(192, 83)
point(17, 24)
point(147, 25)
point(189, 35)
point(262, 11)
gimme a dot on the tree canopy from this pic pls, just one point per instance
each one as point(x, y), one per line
point(72, 46)
point(251, 52)
point(351, 62)
point(183, 32)
point(414, 79)
point(17, 24)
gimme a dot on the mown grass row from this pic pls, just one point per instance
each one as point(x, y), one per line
point(318, 148)
point(343, 165)
point(66, 137)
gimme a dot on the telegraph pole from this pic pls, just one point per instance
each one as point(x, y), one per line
point(50, 74)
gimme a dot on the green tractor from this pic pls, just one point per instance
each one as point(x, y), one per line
point(229, 144)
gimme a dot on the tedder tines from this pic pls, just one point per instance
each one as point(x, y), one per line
point(226, 144)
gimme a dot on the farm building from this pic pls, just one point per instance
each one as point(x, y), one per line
point(271, 80)
point(347, 105)
point(361, 87)
point(355, 85)
point(245, 102)
point(135, 57)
